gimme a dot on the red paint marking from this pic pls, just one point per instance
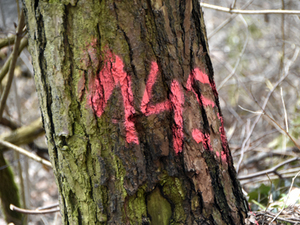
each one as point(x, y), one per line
point(176, 103)
point(113, 74)
point(200, 137)
point(196, 74)
point(207, 102)
point(200, 76)
point(177, 100)
point(146, 107)
point(223, 156)
point(223, 135)
point(102, 87)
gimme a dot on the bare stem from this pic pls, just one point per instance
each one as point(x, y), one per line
point(15, 52)
point(25, 152)
point(28, 211)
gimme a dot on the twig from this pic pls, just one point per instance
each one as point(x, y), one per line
point(238, 11)
point(15, 52)
point(24, 152)
point(25, 134)
point(263, 179)
point(228, 20)
point(7, 41)
point(285, 119)
point(233, 4)
point(5, 68)
point(8, 123)
point(48, 206)
point(240, 55)
point(18, 8)
point(28, 211)
point(2, 14)
point(286, 72)
point(271, 170)
point(282, 37)
point(269, 153)
point(250, 111)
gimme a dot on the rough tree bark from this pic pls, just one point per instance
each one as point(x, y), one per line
point(131, 112)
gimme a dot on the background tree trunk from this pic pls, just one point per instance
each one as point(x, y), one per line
point(131, 113)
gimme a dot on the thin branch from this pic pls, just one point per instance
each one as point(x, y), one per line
point(283, 37)
point(15, 52)
point(240, 55)
point(228, 20)
point(8, 123)
point(271, 170)
point(5, 68)
point(238, 11)
point(28, 211)
point(233, 4)
point(284, 111)
point(18, 8)
point(2, 14)
point(269, 153)
point(7, 41)
point(25, 134)
point(26, 153)
point(48, 206)
point(285, 74)
point(263, 179)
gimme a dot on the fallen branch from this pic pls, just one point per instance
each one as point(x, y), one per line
point(271, 170)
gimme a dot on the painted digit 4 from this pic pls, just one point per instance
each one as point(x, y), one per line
point(109, 77)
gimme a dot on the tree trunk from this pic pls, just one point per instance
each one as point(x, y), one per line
point(131, 113)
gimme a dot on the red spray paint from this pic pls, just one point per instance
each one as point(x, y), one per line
point(223, 137)
point(177, 99)
point(207, 102)
point(102, 87)
point(200, 137)
point(113, 74)
point(175, 103)
point(146, 107)
point(198, 75)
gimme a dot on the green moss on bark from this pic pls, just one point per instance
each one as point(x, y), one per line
point(9, 193)
point(159, 208)
point(136, 208)
point(174, 192)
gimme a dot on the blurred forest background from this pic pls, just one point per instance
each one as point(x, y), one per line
point(257, 73)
